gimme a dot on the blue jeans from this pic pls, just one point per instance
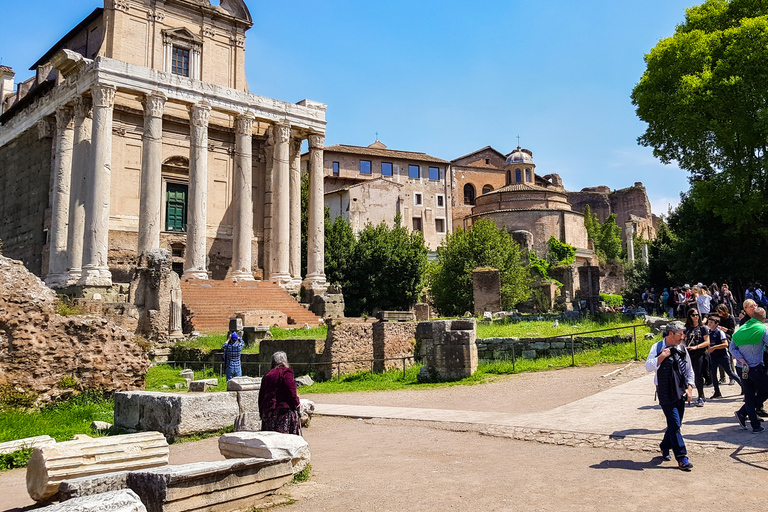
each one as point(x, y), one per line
point(755, 393)
point(723, 362)
point(673, 439)
point(233, 372)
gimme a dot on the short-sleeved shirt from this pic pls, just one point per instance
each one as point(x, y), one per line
point(695, 336)
point(716, 337)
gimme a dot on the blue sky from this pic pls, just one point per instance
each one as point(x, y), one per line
point(448, 77)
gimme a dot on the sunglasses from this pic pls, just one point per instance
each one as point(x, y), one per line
point(694, 314)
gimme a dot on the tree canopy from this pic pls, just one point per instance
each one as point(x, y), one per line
point(704, 96)
point(482, 245)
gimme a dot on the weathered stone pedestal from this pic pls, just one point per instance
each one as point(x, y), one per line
point(156, 294)
point(266, 445)
point(486, 289)
point(50, 465)
point(448, 348)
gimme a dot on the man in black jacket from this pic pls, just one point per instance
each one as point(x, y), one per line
point(674, 382)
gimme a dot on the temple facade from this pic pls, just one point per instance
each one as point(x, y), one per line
point(138, 132)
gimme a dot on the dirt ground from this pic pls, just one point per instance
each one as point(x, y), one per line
point(391, 465)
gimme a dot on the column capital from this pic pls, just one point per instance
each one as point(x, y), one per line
point(296, 146)
point(44, 128)
point(244, 123)
point(200, 114)
point(282, 132)
point(64, 117)
point(83, 107)
point(103, 95)
point(316, 141)
point(154, 103)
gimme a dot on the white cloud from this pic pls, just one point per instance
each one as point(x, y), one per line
point(660, 205)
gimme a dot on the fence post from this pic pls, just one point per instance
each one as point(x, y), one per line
point(403, 368)
point(514, 359)
point(338, 371)
point(634, 335)
point(573, 356)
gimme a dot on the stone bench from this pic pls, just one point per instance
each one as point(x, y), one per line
point(48, 466)
point(181, 414)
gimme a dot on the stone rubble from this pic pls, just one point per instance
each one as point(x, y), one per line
point(114, 501)
point(266, 445)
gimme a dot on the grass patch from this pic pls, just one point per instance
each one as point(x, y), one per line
point(204, 435)
point(303, 475)
point(393, 379)
point(60, 421)
point(312, 333)
point(166, 375)
point(206, 343)
point(546, 329)
point(17, 459)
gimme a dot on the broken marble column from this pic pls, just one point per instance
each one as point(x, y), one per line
point(281, 207)
point(219, 486)
point(645, 252)
point(243, 199)
point(197, 238)
point(50, 465)
point(315, 278)
point(124, 500)
point(295, 201)
point(62, 180)
point(80, 162)
point(629, 232)
point(266, 445)
point(95, 270)
point(151, 196)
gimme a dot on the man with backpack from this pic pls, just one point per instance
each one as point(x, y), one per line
point(674, 383)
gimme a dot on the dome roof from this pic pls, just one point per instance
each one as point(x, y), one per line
point(520, 156)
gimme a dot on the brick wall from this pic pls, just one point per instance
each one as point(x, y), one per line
point(25, 174)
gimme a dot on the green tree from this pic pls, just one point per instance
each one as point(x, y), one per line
point(339, 248)
point(386, 269)
point(482, 245)
point(561, 253)
point(704, 95)
point(610, 238)
point(592, 224)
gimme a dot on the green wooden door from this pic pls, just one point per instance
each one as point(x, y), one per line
point(176, 207)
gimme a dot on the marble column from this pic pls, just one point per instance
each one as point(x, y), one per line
point(151, 196)
point(295, 199)
point(629, 231)
point(281, 207)
point(81, 158)
point(315, 279)
point(62, 178)
point(645, 252)
point(197, 218)
point(96, 243)
point(243, 199)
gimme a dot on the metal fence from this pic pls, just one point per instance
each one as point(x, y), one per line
point(258, 369)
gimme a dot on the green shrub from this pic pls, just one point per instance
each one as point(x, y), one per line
point(65, 307)
point(68, 382)
point(303, 475)
point(613, 301)
point(17, 459)
point(12, 397)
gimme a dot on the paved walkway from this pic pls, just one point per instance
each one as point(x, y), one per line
point(626, 415)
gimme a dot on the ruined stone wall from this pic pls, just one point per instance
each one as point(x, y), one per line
point(543, 224)
point(25, 174)
point(627, 203)
point(349, 340)
point(393, 340)
point(39, 347)
point(532, 348)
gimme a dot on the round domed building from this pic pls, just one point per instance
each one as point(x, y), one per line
point(533, 208)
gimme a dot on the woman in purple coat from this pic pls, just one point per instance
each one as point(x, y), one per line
point(278, 401)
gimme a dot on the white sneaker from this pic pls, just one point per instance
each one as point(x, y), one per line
point(700, 402)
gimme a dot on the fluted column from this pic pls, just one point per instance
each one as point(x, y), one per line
point(197, 218)
point(96, 244)
point(295, 199)
point(151, 197)
point(81, 160)
point(629, 231)
point(62, 178)
point(315, 279)
point(281, 207)
point(243, 199)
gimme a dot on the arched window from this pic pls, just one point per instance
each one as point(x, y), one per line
point(518, 175)
point(528, 175)
point(487, 189)
point(509, 177)
point(469, 194)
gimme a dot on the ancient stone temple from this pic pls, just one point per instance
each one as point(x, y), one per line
point(138, 132)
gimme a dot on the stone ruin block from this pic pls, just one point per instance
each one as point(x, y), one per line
point(328, 305)
point(266, 445)
point(262, 317)
point(486, 288)
point(175, 414)
point(449, 348)
point(27, 442)
point(396, 316)
point(124, 500)
point(253, 334)
point(422, 311)
point(50, 465)
point(222, 486)
point(155, 291)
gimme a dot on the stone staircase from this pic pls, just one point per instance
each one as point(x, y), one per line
point(213, 303)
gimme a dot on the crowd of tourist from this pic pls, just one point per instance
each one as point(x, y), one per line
point(691, 353)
